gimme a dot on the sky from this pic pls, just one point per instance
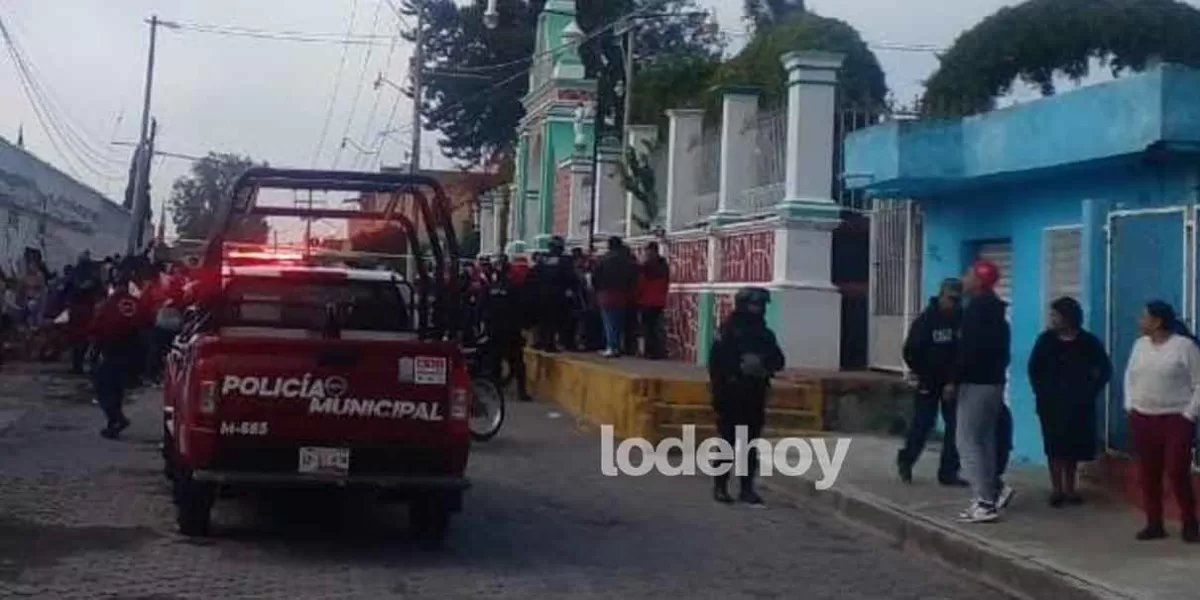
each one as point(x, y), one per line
point(273, 100)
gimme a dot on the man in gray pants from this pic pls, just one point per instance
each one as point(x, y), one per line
point(980, 377)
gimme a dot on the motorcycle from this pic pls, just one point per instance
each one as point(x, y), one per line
point(487, 394)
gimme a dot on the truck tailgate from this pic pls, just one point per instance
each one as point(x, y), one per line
point(333, 392)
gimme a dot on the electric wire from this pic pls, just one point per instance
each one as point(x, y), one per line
point(337, 79)
point(348, 39)
point(72, 157)
point(362, 79)
point(78, 142)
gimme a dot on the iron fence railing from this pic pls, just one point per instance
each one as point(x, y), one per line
point(709, 175)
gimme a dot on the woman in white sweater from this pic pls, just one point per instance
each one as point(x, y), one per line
point(1162, 397)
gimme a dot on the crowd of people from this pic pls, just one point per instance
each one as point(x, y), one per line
point(612, 304)
point(115, 316)
point(959, 351)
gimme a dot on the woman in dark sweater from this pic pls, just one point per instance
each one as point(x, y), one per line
point(1068, 369)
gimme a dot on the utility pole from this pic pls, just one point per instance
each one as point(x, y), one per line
point(308, 226)
point(141, 174)
point(627, 32)
point(418, 65)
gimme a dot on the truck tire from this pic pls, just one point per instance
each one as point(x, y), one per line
point(193, 505)
point(430, 521)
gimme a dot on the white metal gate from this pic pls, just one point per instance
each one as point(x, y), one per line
point(895, 289)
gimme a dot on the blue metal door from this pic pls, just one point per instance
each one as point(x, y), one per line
point(1147, 260)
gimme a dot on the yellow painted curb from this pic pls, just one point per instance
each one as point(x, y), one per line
point(653, 407)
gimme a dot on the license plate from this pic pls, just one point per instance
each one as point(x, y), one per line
point(325, 461)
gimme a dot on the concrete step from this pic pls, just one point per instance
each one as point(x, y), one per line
point(798, 396)
point(779, 418)
point(707, 431)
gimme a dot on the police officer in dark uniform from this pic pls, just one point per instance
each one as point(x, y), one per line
point(114, 331)
point(556, 284)
point(741, 363)
point(504, 308)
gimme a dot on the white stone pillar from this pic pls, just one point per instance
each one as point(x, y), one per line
point(581, 198)
point(487, 223)
point(812, 108)
point(497, 225)
point(641, 140)
point(739, 112)
point(810, 335)
point(683, 161)
point(610, 205)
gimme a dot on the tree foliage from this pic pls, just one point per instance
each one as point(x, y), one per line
point(1039, 39)
point(196, 196)
point(861, 79)
point(388, 239)
point(687, 34)
point(639, 179)
point(764, 13)
point(673, 82)
point(478, 116)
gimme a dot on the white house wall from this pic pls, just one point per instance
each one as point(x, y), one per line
point(76, 217)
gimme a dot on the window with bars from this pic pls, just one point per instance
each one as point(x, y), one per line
point(1061, 251)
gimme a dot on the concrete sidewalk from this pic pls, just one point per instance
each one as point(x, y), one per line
point(1035, 551)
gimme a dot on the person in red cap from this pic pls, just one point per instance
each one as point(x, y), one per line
point(977, 385)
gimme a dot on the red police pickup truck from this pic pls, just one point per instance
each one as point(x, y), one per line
point(289, 372)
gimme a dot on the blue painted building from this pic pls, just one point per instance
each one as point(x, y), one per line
point(1092, 193)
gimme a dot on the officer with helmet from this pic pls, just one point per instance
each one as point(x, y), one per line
point(741, 363)
point(555, 283)
point(504, 315)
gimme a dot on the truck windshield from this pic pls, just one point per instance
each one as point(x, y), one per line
point(300, 304)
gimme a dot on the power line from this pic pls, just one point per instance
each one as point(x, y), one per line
point(525, 72)
point(337, 80)
point(45, 115)
point(399, 13)
point(387, 65)
point(281, 32)
point(348, 39)
point(362, 79)
point(931, 48)
point(78, 142)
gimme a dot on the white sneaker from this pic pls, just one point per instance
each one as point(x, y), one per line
point(978, 512)
point(608, 354)
point(1006, 497)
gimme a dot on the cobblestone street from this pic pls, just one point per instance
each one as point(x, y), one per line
point(81, 517)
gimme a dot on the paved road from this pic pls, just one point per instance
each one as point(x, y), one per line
point(81, 517)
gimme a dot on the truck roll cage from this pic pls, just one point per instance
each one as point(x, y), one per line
point(437, 292)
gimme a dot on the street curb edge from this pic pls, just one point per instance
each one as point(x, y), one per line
point(1015, 574)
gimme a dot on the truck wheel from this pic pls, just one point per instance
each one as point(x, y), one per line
point(193, 505)
point(430, 522)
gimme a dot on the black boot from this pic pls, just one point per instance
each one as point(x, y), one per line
point(747, 494)
point(721, 489)
point(904, 468)
point(1153, 531)
point(1191, 532)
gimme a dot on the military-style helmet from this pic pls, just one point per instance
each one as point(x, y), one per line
point(751, 295)
point(557, 245)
